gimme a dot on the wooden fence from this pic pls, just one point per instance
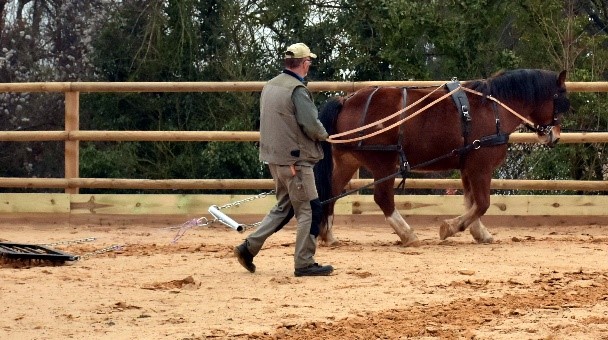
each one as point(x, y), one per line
point(72, 203)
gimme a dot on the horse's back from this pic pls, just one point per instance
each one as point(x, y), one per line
point(367, 106)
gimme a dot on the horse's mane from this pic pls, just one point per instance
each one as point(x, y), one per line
point(527, 85)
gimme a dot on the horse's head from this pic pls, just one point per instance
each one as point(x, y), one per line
point(548, 118)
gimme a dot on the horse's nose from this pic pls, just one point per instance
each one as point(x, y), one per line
point(555, 135)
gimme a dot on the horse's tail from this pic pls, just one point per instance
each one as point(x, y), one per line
point(324, 168)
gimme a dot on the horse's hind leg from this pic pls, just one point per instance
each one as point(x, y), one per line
point(345, 166)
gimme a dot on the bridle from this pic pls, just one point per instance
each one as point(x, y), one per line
point(561, 105)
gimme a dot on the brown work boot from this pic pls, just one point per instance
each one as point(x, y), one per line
point(314, 270)
point(244, 256)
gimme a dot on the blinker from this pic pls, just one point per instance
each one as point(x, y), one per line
point(561, 104)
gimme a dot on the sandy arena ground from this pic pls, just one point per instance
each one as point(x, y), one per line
point(534, 282)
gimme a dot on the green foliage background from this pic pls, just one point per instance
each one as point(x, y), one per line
point(242, 40)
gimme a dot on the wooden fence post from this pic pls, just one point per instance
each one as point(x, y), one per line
point(72, 152)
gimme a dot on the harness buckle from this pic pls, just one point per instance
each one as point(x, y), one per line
point(476, 144)
point(465, 113)
point(405, 166)
point(544, 129)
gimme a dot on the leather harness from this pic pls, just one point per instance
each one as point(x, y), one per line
point(462, 104)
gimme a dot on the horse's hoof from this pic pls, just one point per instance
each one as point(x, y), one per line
point(445, 231)
point(485, 240)
point(482, 235)
point(331, 242)
point(410, 241)
point(413, 243)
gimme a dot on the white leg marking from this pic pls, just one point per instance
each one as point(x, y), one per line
point(452, 226)
point(480, 233)
point(331, 239)
point(403, 230)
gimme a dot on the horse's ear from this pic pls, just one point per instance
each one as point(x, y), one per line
point(561, 79)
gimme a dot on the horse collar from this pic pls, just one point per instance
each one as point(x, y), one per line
point(462, 104)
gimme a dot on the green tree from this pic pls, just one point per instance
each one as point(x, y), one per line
point(42, 41)
point(174, 41)
point(571, 35)
point(225, 40)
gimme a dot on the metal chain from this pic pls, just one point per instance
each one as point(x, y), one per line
point(249, 199)
point(197, 222)
point(99, 251)
point(85, 255)
point(203, 221)
point(88, 239)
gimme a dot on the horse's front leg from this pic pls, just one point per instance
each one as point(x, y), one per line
point(384, 196)
point(477, 229)
point(451, 227)
point(476, 203)
point(403, 230)
point(480, 232)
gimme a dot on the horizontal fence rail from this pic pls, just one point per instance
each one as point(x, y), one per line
point(71, 136)
point(225, 136)
point(266, 184)
point(247, 86)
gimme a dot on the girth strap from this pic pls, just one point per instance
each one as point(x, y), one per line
point(499, 138)
point(404, 166)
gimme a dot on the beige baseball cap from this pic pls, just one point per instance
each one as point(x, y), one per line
point(299, 50)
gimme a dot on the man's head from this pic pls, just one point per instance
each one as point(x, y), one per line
point(297, 51)
point(298, 58)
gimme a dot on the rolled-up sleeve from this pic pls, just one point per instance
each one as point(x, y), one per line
point(307, 114)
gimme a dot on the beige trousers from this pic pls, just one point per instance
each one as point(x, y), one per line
point(295, 192)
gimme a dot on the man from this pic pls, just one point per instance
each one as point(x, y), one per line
point(290, 132)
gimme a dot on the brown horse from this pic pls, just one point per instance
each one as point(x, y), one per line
point(456, 126)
